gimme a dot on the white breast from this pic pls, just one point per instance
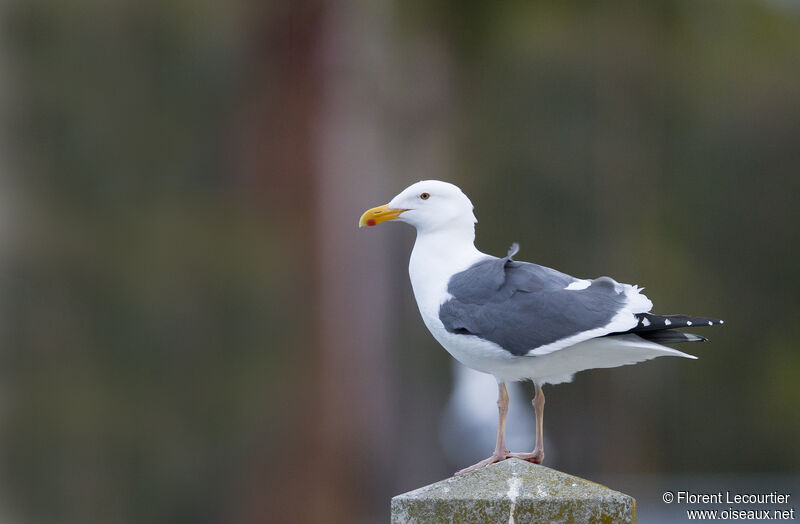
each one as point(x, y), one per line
point(433, 261)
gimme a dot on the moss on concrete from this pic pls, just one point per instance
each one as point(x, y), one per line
point(517, 492)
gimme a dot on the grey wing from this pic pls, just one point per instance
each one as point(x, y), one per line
point(532, 310)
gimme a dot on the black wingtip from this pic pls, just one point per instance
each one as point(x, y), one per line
point(653, 322)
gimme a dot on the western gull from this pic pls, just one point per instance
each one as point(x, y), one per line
point(517, 320)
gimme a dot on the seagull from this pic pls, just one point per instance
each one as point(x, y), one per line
point(517, 320)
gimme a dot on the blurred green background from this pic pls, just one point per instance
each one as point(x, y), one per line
point(194, 330)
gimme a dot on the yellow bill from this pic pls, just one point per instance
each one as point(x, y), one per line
point(376, 215)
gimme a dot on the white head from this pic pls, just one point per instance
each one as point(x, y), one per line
point(428, 205)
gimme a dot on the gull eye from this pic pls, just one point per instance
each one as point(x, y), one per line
point(425, 196)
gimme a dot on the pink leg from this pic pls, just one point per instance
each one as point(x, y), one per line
point(500, 451)
point(537, 456)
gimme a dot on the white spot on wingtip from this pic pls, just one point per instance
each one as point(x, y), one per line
point(688, 322)
point(710, 323)
point(645, 322)
point(667, 322)
point(721, 321)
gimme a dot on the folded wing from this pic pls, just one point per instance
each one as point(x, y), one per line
point(529, 309)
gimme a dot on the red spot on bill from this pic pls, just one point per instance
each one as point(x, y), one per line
point(371, 222)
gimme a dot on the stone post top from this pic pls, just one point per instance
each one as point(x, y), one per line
point(514, 491)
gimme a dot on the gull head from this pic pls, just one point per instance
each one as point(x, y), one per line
point(428, 205)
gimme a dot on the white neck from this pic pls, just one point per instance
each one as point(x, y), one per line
point(436, 256)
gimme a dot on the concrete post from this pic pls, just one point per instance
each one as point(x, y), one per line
point(513, 491)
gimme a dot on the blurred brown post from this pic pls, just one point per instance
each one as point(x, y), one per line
point(351, 421)
point(311, 150)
